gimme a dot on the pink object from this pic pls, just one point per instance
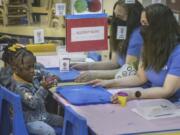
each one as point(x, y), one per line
point(124, 94)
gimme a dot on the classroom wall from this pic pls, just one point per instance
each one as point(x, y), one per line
point(108, 5)
point(148, 2)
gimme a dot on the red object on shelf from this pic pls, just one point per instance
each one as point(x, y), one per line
point(86, 34)
point(94, 5)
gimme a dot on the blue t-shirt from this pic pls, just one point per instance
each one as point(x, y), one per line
point(134, 47)
point(172, 67)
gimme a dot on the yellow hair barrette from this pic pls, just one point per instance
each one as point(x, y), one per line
point(15, 47)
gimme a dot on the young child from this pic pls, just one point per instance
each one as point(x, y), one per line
point(11, 47)
point(38, 120)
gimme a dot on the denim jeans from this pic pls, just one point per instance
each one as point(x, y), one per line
point(40, 128)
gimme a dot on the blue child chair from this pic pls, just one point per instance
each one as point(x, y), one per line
point(74, 124)
point(9, 99)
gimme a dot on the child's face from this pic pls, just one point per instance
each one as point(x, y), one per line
point(26, 71)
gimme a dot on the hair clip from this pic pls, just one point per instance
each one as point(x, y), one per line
point(15, 47)
point(19, 46)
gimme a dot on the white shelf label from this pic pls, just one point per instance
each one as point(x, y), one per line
point(60, 9)
point(38, 36)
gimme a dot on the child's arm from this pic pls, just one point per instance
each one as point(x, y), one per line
point(30, 98)
point(40, 73)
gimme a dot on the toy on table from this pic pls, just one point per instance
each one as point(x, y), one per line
point(122, 98)
point(53, 83)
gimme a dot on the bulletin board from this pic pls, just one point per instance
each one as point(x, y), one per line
point(86, 32)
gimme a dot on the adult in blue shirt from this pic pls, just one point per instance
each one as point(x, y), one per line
point(160, 59)
point(127, 46)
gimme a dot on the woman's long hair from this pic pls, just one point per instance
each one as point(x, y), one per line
point(160, 36)
point(133, 21)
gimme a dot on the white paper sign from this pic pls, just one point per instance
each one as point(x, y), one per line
point(38, 36)
point(64, 64)
point(129, 1)
point(176, 16)
point(60, 9)
point(121, 32)
point(48, 61)
point(87, 34)
point(156, 1)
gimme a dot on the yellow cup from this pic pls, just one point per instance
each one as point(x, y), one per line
point(122, 98)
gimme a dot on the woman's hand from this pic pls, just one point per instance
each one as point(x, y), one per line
point(103, 83)
point(86, 76)
point(130, 93)
point(81, 66)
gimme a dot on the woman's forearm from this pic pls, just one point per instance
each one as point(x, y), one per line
point(152, 93)
point(129, 81)
point(105, 74)
point(104, 65)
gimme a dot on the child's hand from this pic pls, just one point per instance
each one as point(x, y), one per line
point(48, 82)
point(114, 99)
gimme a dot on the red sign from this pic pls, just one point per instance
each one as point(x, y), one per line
point(86, 34)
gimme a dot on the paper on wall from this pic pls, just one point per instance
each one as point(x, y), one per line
point(38, 36)
point(60, 9)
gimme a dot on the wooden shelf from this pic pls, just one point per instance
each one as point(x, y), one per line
point(16, 16)
point(39, 10)
point(27, 31)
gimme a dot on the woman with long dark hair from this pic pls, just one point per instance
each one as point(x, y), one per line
point(125, 41)
point(160, 59)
